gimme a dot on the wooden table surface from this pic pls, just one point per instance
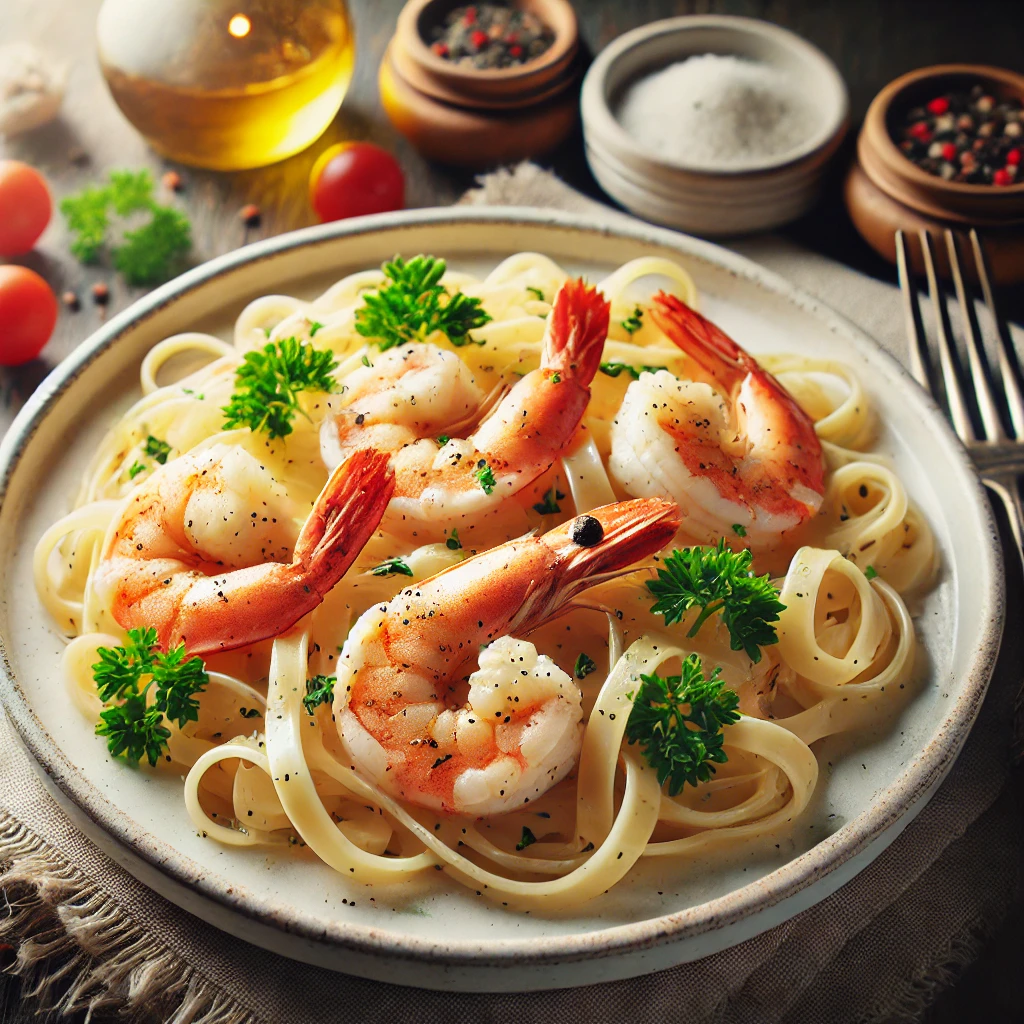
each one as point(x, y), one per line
point(871, 41)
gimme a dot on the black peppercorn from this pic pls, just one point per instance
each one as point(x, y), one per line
point(587, 531)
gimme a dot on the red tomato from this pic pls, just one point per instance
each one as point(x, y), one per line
point(354, 178)
point(25, 207)
point(28, 312)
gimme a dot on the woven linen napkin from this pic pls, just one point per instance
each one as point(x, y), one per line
point(86, 936)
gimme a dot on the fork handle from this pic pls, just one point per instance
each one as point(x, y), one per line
point(1006, 487)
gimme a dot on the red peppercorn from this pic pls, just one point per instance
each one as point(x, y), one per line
point(1013, 157)
point(470, 16)
point(249, 215)
point(440, 49)
point(921, 131)
point(1002, 177)
point(938, 106)
point(478, 38)
point(948, 151)
point(515, 51)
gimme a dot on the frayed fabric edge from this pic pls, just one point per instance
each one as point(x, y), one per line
point(84, 953)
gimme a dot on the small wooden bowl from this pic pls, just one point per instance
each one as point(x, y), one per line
point(885, 190)
point(478, 118)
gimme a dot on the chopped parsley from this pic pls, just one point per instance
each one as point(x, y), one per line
point(584, 666)
point(535, 292)
point(319, 690)
point(269, 382)
point(614, 367)
point(549, 506)
point(453, 543)
point(156, 449)
point(413, 304)
point(871, 572)
point(485, 477)
point(719, 580)
point(678, 723)
point(124, 676)
point(634, 321)
point(528, 839)
point(739, 529)
point(135, 469)
point(314, 326)
point(392, 567)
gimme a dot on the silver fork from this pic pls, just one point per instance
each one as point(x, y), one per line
point(995, 438)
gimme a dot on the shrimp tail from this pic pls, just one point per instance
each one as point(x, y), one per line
point(576, 332)
point(346, 513)
point(703, 341)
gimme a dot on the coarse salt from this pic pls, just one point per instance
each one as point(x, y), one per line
point(717, 112)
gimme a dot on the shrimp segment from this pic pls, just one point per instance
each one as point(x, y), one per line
point(740, 453)
point(164, 563)
point(401, 701)
point(517, 442)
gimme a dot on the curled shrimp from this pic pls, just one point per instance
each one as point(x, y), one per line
point(204, 550)
point(518, 440)
point(405, 713)
point(741, 453)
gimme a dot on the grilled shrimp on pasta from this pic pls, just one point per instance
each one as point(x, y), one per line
point(412, 400)
point(738, 452)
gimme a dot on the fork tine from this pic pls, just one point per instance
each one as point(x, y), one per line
point(991, 423)
point(919, 359)
point(954, 393)
point(1007, 368)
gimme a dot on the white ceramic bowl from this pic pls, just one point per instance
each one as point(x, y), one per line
point(430, 932)
point(701, 200)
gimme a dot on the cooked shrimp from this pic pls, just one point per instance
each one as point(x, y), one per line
point(741, 453)
point(203, 549)
point(401, 701)
point(515, 444)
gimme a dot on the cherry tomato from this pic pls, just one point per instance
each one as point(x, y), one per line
point(28, 312)
point(354, 178)
point(25, 207)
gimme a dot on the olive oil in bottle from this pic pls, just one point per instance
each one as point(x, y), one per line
point(227, 84)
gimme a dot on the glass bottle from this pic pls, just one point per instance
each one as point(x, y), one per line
point(227, 84)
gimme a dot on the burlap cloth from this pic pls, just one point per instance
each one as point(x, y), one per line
point(87, 935)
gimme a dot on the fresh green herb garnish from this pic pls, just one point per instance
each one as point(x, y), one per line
point(719, 580)
point(535, 292)
point(870, 572)
point(148, 254)
point(528, 839)
point(485, 477)
point(634, 321)
point(319, 690)
point(413, 304)
point(132, 725)
point(453, 543)
point(269, 381)
point(250, 712)
point(156, 449)
point(614, 367)
point(678, 722)
point(584, 666)
point(392, 567)
point(549, 506)
point(135, 469)
point(314, 326)
point(739, 529)
point(556, 378)
point(443, 440)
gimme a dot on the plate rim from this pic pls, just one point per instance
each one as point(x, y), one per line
point(917, 781)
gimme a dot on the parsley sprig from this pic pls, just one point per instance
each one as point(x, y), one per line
point(678, 723)
point(614, 367)
point(269, 382)
point(319, 690)
point(147, 255)
point(132, 724)
point(392, 567)
point(719, 580)
point(413, 304)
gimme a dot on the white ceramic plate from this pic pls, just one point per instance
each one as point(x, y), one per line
point(431, 934)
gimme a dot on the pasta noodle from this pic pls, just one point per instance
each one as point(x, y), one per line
point(262, 768)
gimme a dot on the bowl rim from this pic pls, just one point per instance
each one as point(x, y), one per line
point(876, 129)
point(894, 803)
point(598, 116)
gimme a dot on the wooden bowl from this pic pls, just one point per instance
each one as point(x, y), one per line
point(478, 118)
point(885, 190)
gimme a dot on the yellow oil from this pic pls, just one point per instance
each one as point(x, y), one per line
point(225, 84)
